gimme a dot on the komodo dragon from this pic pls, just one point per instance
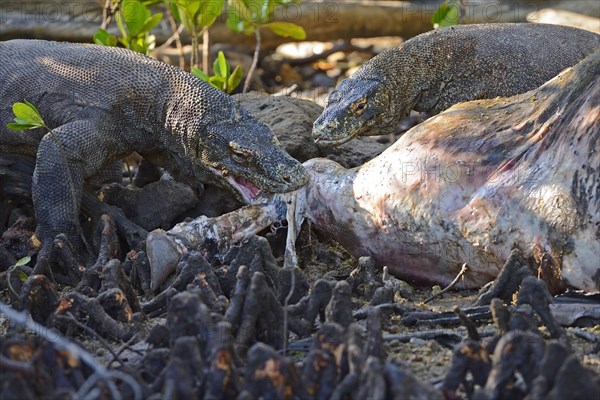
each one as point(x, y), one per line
point(105, 103)
point(435, 70)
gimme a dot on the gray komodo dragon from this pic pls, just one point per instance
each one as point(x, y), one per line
point(105, 103)
point(435, 70)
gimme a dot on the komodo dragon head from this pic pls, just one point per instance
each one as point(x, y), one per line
point(355, 107)
point(237, 152)
point(249, 159)
point(211, 139)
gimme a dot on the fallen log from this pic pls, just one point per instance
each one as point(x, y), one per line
point(467, 186)
point(323, 20)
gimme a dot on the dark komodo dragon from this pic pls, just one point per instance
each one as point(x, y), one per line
point(105, 103)
point(435, 70)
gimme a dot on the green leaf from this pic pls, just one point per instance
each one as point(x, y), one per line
point(238, 18)
point(217, 82)
point(20, 127)
point(102, 37)
point(138, 45)
point(175, 11)
point(447, 14)
point(261, 11)
point(22, 276)
point(287, 29)
point(186, 10)
point(26, 117)
point(200, 74)
point(199, 13)
point(23, 261)
point(209, 12)
point(234, 79)
point(221, 66)
point(134, 15)
point(189, 7)
point(235, 24)
point(27, 111)
point(151, 22)
point(255, 11)
point(440, 13)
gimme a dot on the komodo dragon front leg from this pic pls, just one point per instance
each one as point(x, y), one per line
point(78, 150)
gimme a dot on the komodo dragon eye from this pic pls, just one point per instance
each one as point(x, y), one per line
point(359, 106)
point(239, 152)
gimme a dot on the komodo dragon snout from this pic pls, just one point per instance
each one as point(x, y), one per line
point(352, 110)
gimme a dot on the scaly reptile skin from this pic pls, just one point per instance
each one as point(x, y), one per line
point(435, 70)
point(104, 103)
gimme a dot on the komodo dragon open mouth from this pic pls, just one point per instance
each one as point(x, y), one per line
point(320, 139)
point(247, 190)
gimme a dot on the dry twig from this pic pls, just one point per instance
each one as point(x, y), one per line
point(462, 271)
point(61, 342)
